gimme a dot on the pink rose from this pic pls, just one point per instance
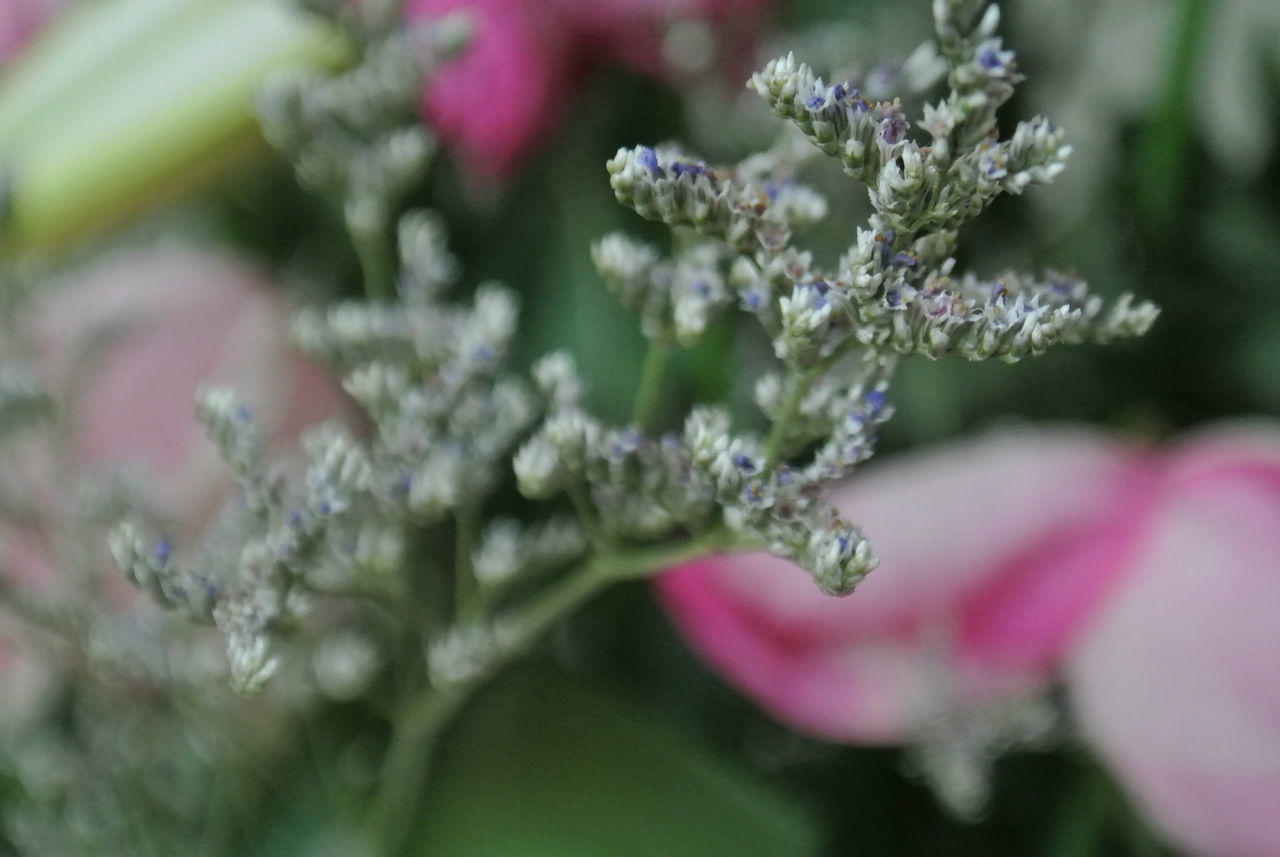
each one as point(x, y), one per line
point(984, 556)
point(501, 97)
point(1176, 680)
point(1151, 583)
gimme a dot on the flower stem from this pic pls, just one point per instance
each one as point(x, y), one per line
point(650, 383)
point(421, 721)
point(801, 383)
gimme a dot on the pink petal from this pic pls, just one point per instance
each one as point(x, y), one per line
point(129, 342)
point(497, 100)
point(20, 20)
point(1176, 682)
point(999, 546)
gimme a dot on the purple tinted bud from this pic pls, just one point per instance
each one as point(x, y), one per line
point(893, 297)
point(904, 260)
point(161, 551)
point(838, 92)
point(892, 126)
point(649, 159)
point(682, 168)
point(817, 102)
point(702, 288)
point(874, 400)
point(990, 60)
point(324, 508)
point(242, 415)
point(743, 462)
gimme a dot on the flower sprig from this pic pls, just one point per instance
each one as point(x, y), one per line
point(400, 526)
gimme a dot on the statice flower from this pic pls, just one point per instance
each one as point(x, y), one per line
point(837, 329)
point(404, 546)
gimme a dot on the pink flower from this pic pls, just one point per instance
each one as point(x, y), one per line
point(992, 552)
point(501, 97)
point(19, 22)
point(124, 345)
point(172, 320)
point(1176, 681)
point(1150, 582)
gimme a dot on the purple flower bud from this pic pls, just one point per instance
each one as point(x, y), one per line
point(743, 462)
point(649, 159)
point(161, 551)
point(990, 60)
point(904, 260)
point(892, 126)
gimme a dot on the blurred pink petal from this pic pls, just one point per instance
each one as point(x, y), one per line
point(1175, 682)
point(497, 100)
point(124, 344)
point(20, 20)
point(500, 98)
point(994, 550)
point(156, 325)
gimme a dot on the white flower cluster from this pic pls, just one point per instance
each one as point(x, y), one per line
point(637, 487)
point(894, 292)
point(448, 425)
point(353, 136)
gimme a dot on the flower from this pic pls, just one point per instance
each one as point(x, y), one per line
point(162, 323)
point(1174, 680)
point(992, 553)
point(1148, 582)
point(499, 99)
point(122, 346)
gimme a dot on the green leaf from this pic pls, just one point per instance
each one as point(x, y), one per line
point(538, 767)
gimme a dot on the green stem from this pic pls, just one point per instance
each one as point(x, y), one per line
point(423, 719)
point(375, 263)
point(650, 388)
point(1161, 163)
point(581, 501)
point(466, 587)
point(408, 761)
point(801, 383)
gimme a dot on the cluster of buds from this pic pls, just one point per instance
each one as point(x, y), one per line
point(448, 424)
point(354, 137)
point(894, 292)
